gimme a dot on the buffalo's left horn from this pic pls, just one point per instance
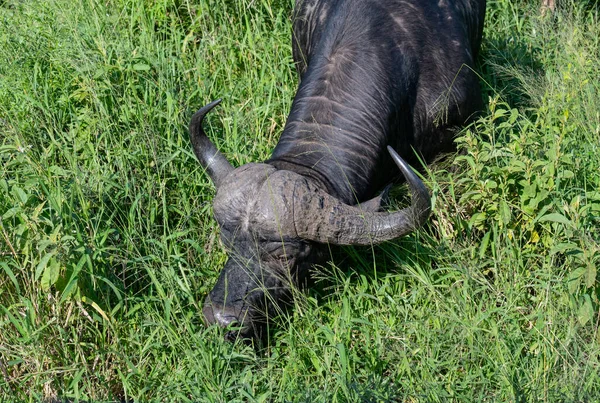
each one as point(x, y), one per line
point(320, 217)
point(210, 158)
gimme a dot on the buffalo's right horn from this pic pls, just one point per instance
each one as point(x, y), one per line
point(210, 158)
point(321, 217)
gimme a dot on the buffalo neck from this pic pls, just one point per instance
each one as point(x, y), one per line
point(339, 123)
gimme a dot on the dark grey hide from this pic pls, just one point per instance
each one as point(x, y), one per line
point(373, 74)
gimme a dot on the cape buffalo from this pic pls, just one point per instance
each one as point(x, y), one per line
point(373, 74)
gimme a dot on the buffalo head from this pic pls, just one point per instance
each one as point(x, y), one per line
point(276, 224)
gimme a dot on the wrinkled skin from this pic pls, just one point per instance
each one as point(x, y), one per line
point(372, 74)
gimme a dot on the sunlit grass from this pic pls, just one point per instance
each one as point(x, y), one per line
point(108, 246)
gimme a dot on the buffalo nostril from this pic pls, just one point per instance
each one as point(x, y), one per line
point(220, 315)
point(226, 317)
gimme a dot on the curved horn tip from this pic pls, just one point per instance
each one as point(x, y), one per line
point(421, 197)
point(196, 121)
point(214, 103)
point(209, 157)
point(399, 160)
point(205, 109)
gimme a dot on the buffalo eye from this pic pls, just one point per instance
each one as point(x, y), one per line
point(277, 251)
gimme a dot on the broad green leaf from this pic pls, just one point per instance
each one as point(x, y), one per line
point(51, 272)
point(565, 247)
point(586, 310)
point(491, 184)
point(566, 174)
point(556, 217)
point(11, 212)
point(499, 113)
point(505, 213)
point(484, 244)
point(529, 191)
point(514, 114)
point(20, 193)
point(56, 170)
point(574, 279)
point(141, 67)
point(42, 265)
point(590, 276)
point(478, 218)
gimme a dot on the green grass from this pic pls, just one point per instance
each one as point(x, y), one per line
point(108, 245)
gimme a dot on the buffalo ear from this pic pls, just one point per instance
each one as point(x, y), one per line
point(210, 158)
point(378, 203)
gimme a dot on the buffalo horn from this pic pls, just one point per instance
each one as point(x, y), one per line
point(320, 217)
point(210, 158)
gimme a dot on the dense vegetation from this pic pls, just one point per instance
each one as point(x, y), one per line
point(108, 246)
